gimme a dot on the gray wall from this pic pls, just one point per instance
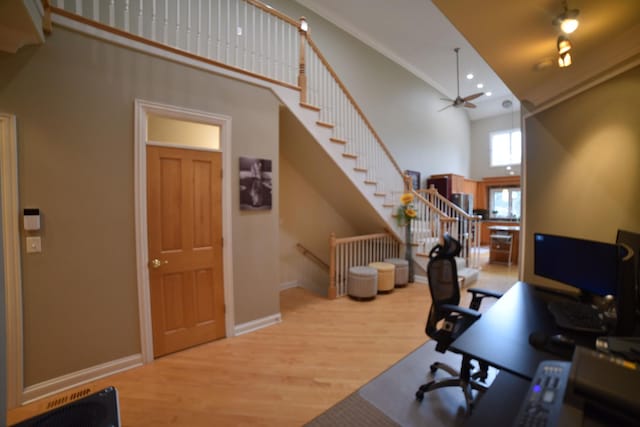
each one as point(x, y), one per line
point(401, 107)
point(582, 176)
point(73, 98)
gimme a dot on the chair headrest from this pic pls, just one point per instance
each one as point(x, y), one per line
point(448, 248)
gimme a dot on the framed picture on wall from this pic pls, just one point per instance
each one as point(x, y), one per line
point(415, 178)
point(255, 184)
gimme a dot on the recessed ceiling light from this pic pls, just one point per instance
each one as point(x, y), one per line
point(488, 93)
point(479, 85)
point(469, 76)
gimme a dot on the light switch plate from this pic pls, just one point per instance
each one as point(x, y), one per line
point(34, 244)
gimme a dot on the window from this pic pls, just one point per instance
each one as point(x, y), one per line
point(505, 202)
point(506, 148)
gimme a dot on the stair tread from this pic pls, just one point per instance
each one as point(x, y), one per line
point(309, 106)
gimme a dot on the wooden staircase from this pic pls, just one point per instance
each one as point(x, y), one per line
point(247, 40)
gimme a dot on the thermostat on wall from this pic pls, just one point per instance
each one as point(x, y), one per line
point(32, 219)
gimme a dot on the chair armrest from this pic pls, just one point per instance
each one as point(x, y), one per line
point(466, 312)
point(479, 294)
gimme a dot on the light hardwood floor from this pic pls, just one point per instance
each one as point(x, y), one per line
point(283, 375)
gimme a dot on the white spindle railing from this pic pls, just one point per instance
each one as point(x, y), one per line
point(467, 230)
point(347, 252)
point(243, 34)
point(337, 107)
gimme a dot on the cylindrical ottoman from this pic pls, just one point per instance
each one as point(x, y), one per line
point(362, 283)
point(401, 273)
point(385, 276)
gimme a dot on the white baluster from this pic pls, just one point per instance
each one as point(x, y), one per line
point(112, 13)
point(178, 9)
point(199, 28)
point(154, 22)
point(219, 32)
point(126, 15)
point(188, 45)
point(165, 24)
point(140, 23)
point(79, 7)
point(96, 11)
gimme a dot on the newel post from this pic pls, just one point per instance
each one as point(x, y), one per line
point(303, 29)
point(331, 293)
point(408, 183)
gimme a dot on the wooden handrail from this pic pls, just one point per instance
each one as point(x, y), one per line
point(306, 252)
point(431, 205)
point(360, 238)
point(353, 102)
point(450, 204)
point(332, 292)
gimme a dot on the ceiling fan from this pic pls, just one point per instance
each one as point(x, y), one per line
point(460, 101)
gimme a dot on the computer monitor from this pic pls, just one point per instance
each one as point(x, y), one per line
point(587, 265)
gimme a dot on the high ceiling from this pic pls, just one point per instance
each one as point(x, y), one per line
point(515, 40)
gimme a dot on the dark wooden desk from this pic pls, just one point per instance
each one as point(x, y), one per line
point(501, 336)
point(499, 405)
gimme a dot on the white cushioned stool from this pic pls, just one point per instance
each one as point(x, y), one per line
point(385, 276)
point(401, 277)
point(362, 283)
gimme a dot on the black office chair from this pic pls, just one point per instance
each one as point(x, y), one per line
point(442, 274)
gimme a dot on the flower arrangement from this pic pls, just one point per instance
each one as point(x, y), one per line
point(406, 211)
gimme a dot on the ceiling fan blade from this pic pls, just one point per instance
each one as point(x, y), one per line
point(474, 96)
point(447, 99)
point(450, 105)
point(469, 105)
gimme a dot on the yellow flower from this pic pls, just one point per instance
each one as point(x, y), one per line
point(406, 198)
point(410, 212)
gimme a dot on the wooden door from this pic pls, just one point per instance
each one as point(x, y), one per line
point(185, 247)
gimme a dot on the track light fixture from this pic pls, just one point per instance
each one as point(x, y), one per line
point(564, 56)
point(568, 19)
point(564, 44)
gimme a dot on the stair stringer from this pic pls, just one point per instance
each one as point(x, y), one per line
point(383, 202)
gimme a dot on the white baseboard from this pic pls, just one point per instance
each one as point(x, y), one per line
point(289, 285)
point(420, 279)
point(254, 325)
point(75, 379)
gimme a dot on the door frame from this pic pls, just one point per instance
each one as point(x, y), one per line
point(142, 108)
point(12, 258)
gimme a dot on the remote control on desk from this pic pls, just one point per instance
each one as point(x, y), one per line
point(545, 396)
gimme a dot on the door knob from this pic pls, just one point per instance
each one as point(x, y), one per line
point(156, 263)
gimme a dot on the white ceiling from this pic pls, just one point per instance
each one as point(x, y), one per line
point(416, 35)
point(513, 39)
